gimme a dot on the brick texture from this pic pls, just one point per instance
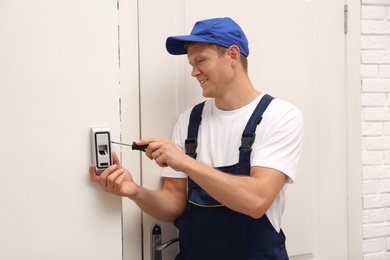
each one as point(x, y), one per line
point(375, 104)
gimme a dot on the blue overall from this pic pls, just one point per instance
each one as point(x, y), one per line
point(209, 230)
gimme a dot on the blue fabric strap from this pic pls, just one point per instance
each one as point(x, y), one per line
point(191, 142)
point(257, 115)
point(249, 134)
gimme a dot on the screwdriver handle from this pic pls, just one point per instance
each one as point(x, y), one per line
point(141, 148)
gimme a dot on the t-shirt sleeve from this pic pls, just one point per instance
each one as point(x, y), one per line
point(279, 146)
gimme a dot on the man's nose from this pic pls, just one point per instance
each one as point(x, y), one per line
point(195, 71)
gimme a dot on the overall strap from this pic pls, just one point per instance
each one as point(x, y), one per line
point(249, 134)
point(191, 142)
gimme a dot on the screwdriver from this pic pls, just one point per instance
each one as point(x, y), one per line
point(134, 146)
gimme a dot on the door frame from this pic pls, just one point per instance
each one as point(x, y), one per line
point(128, 46)
point(353, 91)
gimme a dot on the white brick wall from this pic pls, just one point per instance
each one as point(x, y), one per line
point(375, 73)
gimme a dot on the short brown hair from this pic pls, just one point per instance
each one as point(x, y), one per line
point(243, 59)
point(222, 50)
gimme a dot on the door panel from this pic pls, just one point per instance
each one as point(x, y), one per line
point(297, 54)
point(58, 78)
point(130, 124)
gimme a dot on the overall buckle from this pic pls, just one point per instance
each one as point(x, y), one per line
point(191, 144)
point(247, 142)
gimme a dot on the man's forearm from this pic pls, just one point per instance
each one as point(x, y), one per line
point(165, 204)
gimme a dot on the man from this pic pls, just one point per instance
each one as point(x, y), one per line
point(234, 154)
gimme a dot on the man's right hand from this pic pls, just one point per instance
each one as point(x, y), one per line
point(115, 179)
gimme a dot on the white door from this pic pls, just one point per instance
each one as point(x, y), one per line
point(58, 77)
point(297, 53)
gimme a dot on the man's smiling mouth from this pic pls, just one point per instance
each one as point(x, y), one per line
point(202, 81)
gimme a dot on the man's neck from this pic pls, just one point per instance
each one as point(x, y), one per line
point(237, 99)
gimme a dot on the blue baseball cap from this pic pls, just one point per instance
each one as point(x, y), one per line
point(221, 31)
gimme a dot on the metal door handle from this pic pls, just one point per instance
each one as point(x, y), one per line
point(155, 245)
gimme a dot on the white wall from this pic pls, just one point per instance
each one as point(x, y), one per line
point(375, 44)
point(58, 77)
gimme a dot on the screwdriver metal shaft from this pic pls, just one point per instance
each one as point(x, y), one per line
point(134, 146)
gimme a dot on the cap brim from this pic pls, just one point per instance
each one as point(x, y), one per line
point(175, 44)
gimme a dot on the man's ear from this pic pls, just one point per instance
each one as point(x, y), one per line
point(234, 52)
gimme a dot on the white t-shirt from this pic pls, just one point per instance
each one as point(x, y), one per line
point(277, 143)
